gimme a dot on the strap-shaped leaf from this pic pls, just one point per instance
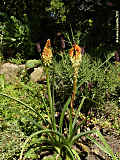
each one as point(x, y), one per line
point(63, 113)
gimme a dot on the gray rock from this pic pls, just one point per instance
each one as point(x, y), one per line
point(21, 67)
point(38, 75)
point(11, 72)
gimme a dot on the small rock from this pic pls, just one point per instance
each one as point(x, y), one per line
point(11, 72)
point(22, 66)
point(37, 75)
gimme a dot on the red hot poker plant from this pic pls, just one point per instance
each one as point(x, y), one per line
point(75, 54)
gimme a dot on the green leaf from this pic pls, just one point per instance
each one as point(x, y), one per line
point(25, 105)
point(76, 154)
point(104, 142)
point(63, 113)
point(32, 63)
point(69, 153)
point(77, 112)
point(75, 138)
point(98, 144)
point(70, 123)
point(105, 147)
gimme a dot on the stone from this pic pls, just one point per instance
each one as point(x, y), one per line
point(11, 72)
point(21, 67)
point(38, 75)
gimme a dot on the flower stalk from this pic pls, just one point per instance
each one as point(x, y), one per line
point(75, 56)
point(50, 97)
point(74, 87)
point(47, 60)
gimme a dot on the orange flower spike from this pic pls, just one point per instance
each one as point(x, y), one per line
point(75, 48)
point(47, 53)
point(75, 55)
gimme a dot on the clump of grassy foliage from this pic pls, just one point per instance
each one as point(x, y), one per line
point(48, 122)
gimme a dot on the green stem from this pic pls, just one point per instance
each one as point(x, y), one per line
point(49, 91)
point(74, 88)
point(50, 100)
point(53, 87)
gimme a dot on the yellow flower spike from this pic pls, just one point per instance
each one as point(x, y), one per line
point(47, 53)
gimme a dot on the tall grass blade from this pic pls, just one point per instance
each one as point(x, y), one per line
point(70, 122)
point(76, 154)
point(104, 142)
point(52, 110)
point(75, 138)
point(77, 112)
point(107, 150)
point(63, 114)
point(69, 152)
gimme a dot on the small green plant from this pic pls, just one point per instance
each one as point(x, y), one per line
point(17, 60)
point(15, 36)
point(11, 138)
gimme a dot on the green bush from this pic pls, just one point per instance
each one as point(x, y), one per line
point(15, 36)
point(97, 80)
